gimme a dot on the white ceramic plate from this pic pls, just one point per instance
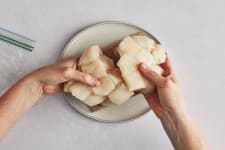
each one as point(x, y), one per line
point(104, 34)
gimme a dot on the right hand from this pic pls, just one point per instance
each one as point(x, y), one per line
point(167, 104)
point(167, 99)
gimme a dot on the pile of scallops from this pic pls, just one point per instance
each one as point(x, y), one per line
point(120, 79)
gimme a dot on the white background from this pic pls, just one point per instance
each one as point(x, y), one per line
point(192, 31)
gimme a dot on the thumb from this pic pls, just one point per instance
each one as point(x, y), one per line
point(150, 75)
point(72, 74)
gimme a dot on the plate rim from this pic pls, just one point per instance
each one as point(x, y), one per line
point(85, 29)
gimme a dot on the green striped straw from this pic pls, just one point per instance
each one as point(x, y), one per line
point(16, 39)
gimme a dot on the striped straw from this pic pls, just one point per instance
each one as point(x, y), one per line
point(16, 39)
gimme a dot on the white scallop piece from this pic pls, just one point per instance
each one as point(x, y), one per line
point(104, 34)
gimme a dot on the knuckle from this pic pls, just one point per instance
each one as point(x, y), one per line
point(74, 64)
point(166, 82)
point(86, 78)
point(67, 73)
point(149, 73)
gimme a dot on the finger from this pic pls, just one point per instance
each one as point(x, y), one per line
point(50, 89)
point(69, 62)
point(151, 75)
point(154, 103)
point(84, 78)
point(168, 69)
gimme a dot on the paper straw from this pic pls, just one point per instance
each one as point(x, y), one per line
point(16, 39)
point(15, 43)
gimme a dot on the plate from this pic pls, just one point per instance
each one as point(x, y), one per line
point(104, 34)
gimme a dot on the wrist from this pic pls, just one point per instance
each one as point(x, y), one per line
point(171, 123)
point(34, 86)
point(173, 118)
point(177, 111)
point(174, 115)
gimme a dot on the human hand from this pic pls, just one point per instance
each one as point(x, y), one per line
point(53, 76)
point(167, 99)
point(167, 104)
point(27, 91)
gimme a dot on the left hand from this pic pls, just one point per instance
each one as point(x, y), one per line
point(23, 95)
point(53, 76)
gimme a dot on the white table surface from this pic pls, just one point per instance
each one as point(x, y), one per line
point(192, 31)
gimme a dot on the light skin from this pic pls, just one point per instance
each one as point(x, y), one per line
point(26, 92)
point(166, 101)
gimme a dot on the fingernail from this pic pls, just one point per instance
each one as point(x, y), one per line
point(96, 82)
